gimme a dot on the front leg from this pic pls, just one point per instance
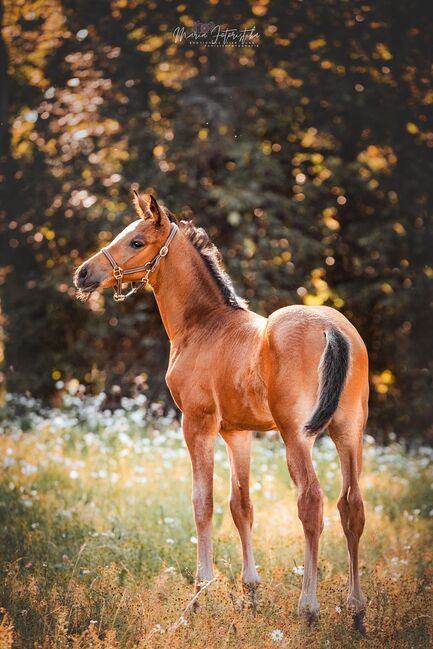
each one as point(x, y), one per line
point(200, 433)
point(239, 452)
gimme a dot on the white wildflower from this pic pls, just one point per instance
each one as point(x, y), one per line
point(277, 635)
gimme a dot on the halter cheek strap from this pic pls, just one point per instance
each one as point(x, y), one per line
point(119, 273)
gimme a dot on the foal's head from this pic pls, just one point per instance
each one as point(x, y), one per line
point(136, 245)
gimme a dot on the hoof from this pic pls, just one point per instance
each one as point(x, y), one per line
point(250, 587)
point(311, 617)
point(250, 592)
point(358, 622)
point(202, 584)
point(310, 612)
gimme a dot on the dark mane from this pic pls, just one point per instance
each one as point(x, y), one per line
point(212, 258)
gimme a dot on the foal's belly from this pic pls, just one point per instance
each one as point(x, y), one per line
point(248, 423)
point(243, 404)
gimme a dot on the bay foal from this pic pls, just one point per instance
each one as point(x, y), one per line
point(232, 371)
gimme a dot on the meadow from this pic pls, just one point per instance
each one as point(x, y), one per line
point(98, 543)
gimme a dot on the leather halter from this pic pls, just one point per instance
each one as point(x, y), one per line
point(119, 273)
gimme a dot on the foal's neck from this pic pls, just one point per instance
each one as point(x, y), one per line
point(187, 295)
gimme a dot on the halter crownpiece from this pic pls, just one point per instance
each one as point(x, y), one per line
point(149, 267)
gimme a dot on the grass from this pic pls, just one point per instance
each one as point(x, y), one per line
point(98, 544)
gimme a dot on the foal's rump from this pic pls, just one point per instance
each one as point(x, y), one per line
point(315, 360)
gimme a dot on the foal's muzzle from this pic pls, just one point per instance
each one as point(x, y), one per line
point(84, 279)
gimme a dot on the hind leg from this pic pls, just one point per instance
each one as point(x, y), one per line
point(310, 509)
point(347, 437)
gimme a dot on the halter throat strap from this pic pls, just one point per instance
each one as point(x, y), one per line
point(119, 273)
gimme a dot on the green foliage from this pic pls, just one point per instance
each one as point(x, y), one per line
point(308, 159)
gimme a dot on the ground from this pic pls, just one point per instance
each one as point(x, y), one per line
point(98, 543)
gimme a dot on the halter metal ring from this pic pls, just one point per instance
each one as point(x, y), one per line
point(163, 251)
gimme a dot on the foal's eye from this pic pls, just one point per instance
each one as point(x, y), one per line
point(135, 243)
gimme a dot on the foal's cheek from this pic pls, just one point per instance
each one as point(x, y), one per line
point(107, 282)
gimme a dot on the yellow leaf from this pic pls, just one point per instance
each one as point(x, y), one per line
point(317, 43)
point(313, 300)
point(399, 228)
point(331, 223)
point(259, 8)
point(383, 52)
point(278, 74)
point(387, 377)
point(412, 128)
point(387, 288)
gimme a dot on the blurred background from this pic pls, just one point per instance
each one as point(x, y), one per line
point(307, 157)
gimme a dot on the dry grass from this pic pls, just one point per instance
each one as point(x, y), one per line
point(98, 547)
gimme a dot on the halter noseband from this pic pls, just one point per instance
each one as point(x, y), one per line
point(148, 268)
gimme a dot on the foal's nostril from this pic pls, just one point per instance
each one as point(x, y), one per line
point(83, 273)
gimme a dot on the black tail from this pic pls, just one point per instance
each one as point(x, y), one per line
point(333, 369)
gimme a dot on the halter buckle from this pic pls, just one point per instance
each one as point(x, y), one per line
point(118, 272)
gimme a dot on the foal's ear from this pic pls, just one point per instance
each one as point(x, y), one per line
point(147, 207)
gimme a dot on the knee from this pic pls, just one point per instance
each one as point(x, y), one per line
point(351, 508)
point(241, 505)
point(203, 509)
point(310, 508)
point(356, 507)
point(343, 505)
point(354, 500)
